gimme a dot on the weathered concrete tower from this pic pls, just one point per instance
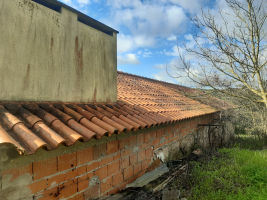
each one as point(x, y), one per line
point(51, 52)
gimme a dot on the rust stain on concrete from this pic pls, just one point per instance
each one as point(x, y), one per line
point(108, 100)
point(105, 60)
point(95, 92)
point(52, 43)
point(79, 55)
point(79, 63)
point(58, 89)
point(34, 35)
point(27, 78)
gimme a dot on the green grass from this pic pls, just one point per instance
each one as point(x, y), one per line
point(250, 142)
point(234, 173)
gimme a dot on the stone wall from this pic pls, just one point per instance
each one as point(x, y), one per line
point(99, 167)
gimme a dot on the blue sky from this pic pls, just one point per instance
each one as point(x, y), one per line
point(148, 29)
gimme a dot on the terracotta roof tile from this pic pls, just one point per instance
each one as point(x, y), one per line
point(7, 139)
point(28, 138)
point(142, 103)
point(100, 132)
point(48, 135)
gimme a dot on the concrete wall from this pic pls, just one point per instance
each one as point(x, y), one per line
point(50, 56)
point(95, 168)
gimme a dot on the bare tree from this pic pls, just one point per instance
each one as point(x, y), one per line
point(232, 54)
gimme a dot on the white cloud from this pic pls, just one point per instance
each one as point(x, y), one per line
point(143, 41)
point(78, 5)
point(172, 38)
point(125, 43)
point(128, 59)
point(118, 4)
point(190, 43)
point(173, 52)
point(190, 5)
point(84, 1)
point(66, 1)
point(139, 52)
point(147, 22)
point(174, 75)
point(159, 66)
point(163, 76)
point(147, 54)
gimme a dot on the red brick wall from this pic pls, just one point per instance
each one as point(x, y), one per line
point(98, 170)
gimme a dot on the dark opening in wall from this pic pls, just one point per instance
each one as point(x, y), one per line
point(49, 4)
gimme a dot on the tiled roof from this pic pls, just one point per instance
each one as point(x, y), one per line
point(201, 97)
point(142, 103)
point(168, 99)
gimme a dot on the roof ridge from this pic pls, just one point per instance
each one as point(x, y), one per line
point(152, 79)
